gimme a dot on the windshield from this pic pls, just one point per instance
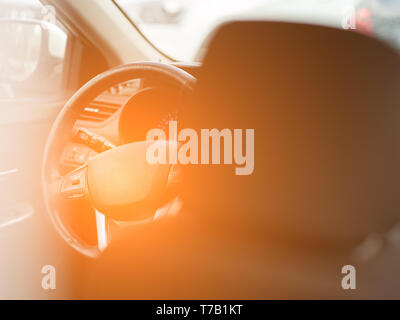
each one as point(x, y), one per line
point(179, 28)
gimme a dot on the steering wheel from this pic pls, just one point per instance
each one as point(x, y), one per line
point(118, 183)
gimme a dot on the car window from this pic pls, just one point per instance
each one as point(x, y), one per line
point(179, 28)
point(32, 50)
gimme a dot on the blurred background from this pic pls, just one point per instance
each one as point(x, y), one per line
point(178, 28)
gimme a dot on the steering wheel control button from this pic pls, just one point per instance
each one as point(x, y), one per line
point(82, 156)
point(76, 154)
point(72, 154)
point(93, 141)
point(74, 184)
point(84, 136)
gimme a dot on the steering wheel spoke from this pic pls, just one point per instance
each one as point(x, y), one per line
point(74, 184)
point(102, 228)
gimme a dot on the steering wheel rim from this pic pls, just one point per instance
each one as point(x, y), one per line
point(60, 132)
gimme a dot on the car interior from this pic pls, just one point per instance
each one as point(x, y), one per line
point(78, 193)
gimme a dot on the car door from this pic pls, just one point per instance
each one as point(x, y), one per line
point(34, 73)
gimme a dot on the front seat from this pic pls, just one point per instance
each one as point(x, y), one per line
point(324, 106)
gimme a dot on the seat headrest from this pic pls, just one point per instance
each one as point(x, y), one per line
point(324, 104)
